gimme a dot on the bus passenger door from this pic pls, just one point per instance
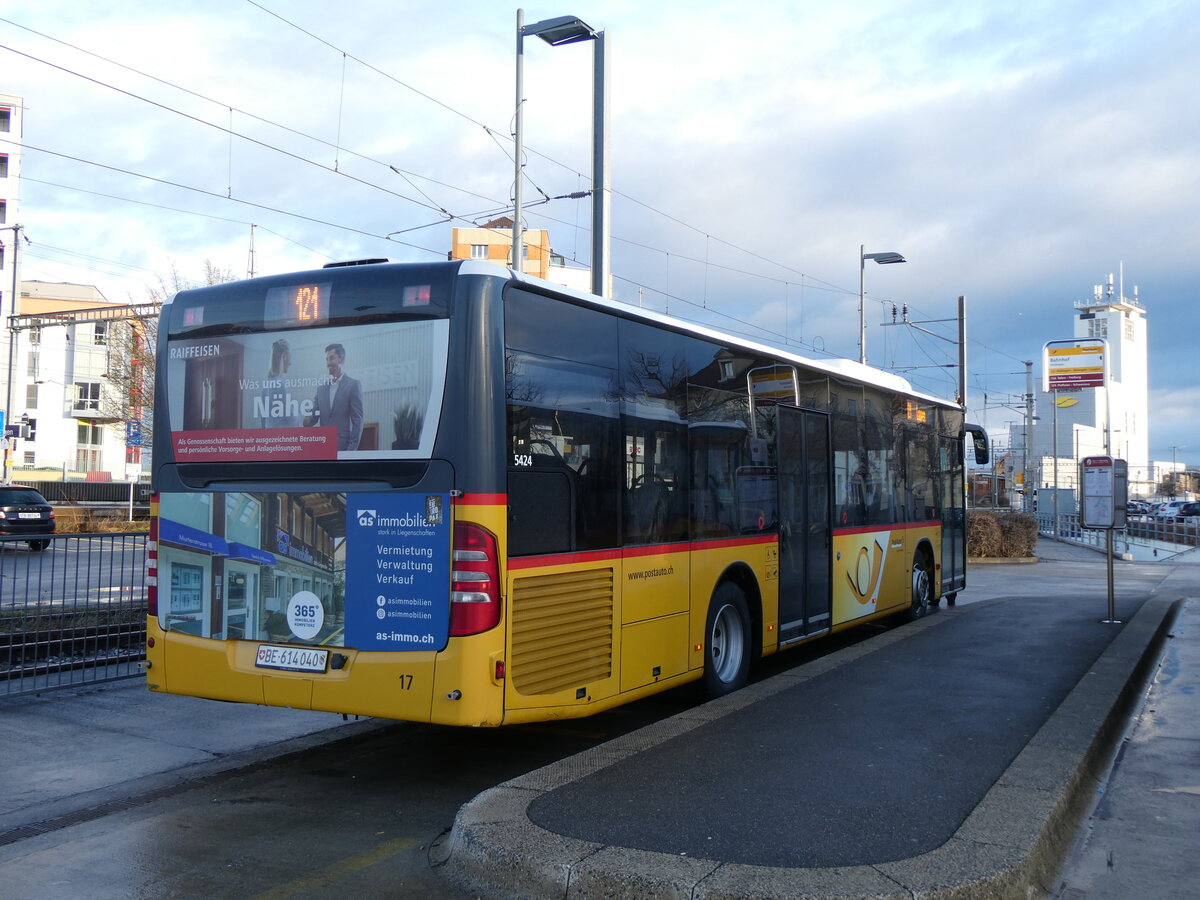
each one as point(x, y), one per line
point(954, 517)
point(805, 523)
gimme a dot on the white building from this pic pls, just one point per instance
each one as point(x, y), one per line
point(10, 168)
point(60, 390)
point(1111, 421)
point(11, 118)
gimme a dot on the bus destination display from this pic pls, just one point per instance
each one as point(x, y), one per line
point(297, 305)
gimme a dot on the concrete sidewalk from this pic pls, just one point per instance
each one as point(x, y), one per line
point(75, 754)
point(953, 757)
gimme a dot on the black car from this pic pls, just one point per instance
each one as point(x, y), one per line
point(25, 512)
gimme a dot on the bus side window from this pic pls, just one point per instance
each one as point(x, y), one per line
point(563, 445)
point(541, 512)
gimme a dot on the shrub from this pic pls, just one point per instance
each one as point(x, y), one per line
point(80, 520)
point(993, 535)
point(983, 535)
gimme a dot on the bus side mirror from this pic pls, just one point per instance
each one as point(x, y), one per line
point(979, 440)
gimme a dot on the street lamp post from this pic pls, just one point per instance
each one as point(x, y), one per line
point(556, 32)
point(883, 259)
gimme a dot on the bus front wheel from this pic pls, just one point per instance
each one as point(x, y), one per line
point(922, 587)
point(726, 641)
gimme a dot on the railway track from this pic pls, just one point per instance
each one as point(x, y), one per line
point(33, 652)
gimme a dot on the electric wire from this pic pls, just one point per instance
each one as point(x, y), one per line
point(812, 281)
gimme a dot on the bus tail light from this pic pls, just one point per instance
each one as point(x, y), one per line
point(474, 581)
point(152, 561)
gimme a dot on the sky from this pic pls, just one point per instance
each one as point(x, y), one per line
point(1016, 153)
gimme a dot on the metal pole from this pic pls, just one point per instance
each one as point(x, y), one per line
point(862, 297)
point(1028, 505)
point(1054, 428)
point(601, 197)
point(12, 350)
point(1112, 600)
point(962, 351)
point(518, 148)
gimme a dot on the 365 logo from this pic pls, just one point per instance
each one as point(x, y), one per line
point(366, 517)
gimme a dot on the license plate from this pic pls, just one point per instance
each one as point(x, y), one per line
point(291, 659)
point(29, 515)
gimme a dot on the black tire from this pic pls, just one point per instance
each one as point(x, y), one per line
point(727, 645)
point(38, 546)
point(922, 588)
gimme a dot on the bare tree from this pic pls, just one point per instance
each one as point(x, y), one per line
point(131, 347)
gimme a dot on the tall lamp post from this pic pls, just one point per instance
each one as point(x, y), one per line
point(884, 259)
point(556, 32)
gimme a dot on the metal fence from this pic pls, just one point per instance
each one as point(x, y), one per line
point(73, 613)
point(1144, 537)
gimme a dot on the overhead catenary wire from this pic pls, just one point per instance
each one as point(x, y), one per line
point(806, 279)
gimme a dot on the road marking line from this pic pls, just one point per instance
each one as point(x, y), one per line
point(335, 872)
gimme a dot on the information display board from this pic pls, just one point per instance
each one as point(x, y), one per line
point(1104, 483)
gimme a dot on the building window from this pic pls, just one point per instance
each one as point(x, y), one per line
point(100, 334)
point(5, 118)
point(87, 396)
point(3, 165)
point(89, 434)
point(87, 460)
point(479, 251)
point(3, 211)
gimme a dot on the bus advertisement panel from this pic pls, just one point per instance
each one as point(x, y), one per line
point(363, 570)
point(360, 392)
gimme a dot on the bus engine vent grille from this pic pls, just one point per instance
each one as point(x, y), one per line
point(562, 631)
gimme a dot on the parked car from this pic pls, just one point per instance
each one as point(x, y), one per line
point(25, 512)
point(1168, 510)
point(1137, 508)
point(1189, 512)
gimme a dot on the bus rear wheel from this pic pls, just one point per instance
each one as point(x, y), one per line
point(726, 641)
point(922, 587)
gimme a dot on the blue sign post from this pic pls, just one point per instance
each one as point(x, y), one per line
point(397, 571)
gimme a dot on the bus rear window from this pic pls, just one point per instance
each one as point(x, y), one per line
point(355, 392)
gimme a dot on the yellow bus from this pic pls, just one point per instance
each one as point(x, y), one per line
point(451, 493)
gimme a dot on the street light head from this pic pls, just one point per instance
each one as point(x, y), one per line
point(885, 259)
point(561, 30)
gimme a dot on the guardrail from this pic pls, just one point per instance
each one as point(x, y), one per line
point(73, 613)
point(1147, 537)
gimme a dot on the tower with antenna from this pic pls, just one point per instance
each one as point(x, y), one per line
point(1083, 427)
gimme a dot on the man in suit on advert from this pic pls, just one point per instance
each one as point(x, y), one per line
point(340, 402)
